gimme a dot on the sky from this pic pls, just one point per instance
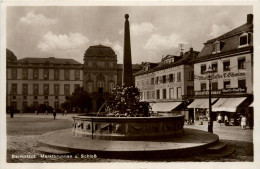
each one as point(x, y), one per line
point(156, 31)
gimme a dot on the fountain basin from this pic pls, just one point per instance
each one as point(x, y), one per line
point(128, 128)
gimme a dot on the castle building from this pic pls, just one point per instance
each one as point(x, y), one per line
point(231, 57)
point(168, 84)
point(35, 81)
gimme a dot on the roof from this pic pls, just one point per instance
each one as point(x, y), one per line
point(134, 66)
point(185, 59)
point(229, 43)
point(99, 50)
point(50, 60)
point(10, 56)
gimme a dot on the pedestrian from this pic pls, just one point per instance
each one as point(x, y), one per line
point(54, 114)
point(226, 120)
point(219, 119)
point(36, 112)
point(243, 122)
point(12, 113)
point(65, 112)
point(46, 112)
point(21, 112)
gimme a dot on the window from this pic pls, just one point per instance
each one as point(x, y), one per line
point(147, 95)
point(153, 95)
point(77, 74)
point(171, 92)
point(226, 84)
point(142, 83)
point(191, 75)
point(25, 88)
point(67, 74)
point(137, 83)
point(171, 78)
point(216, 47)
point(89, 87)
point(152, 81)
point(164, 93)
point(35, 73)
point(46, 103)
point(56, 97)
point(147, 82)
point(89, 76)
point(56, 89)
point(241, 63)
point(14, 105)
point(111, 86)
point(25, 105)
point(35, 97)
point(35, 104)
point(244, 39)
point(14, 73)
point(25, 73)
point(203, 86)
point(35, 89)
point(67, 89)
point(214, 85)
point(14, 88)
point(46, 89)
point(241, 83)
point(157, 94)
point(25, 97)
point(56, 105)
point(45, 97)
point(14, 97)
point(157, 80)
point(76, 86)
point(164, 79)
point(214, 66)
point(45, 74)
point(179, 94)
point(226, 65)
point(203, 69)
point(56, 74)
point(178, 76)
point(190, 90)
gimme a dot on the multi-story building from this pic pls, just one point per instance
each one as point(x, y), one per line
point(35, 81)
point(169, 83)
point(231, 57)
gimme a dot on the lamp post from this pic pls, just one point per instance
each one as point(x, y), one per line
point(210, 73)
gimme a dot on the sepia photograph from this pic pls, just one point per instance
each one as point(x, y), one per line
point(136, 84)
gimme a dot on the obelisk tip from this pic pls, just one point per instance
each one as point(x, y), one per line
point(126, 16)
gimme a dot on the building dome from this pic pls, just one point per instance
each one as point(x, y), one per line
point(10, 56)
point(99, 51)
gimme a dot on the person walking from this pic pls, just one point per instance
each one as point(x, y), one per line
point(219, 119)
point(226, 120)
point(54, 114)
point(243, 122)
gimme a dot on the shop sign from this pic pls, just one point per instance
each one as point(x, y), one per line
point(219, 92)
point(219, 76)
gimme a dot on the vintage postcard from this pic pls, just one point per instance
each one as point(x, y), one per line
point(108, 84)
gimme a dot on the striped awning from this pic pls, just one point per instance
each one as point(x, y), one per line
point(228, 104)
point(165, 106)
point(201, 103)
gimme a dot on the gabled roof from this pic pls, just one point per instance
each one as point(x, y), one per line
point(185, 59)
point(229, 43)
point(50, 60)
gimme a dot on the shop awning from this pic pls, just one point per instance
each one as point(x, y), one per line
point(164, 107)
point(228, 104)
point(251, 105)
point(201, 103)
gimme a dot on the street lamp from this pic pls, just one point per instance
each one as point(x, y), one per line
point(210, 73)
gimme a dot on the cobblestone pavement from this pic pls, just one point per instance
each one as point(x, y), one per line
point(225, 132)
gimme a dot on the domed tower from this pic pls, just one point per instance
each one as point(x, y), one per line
point(100, 73)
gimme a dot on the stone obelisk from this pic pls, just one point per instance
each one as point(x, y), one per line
point(127, 63)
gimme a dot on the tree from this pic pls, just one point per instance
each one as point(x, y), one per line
point(126, 100)
point(80, 99)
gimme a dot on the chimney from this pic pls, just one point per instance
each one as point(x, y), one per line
point(249, 18)
point(191, 49)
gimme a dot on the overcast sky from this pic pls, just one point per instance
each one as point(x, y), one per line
point(66, 32)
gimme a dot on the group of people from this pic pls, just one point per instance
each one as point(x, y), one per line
point(226, 121)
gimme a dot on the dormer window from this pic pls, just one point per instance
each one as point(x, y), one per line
point(217, 47)
point(244, 40)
